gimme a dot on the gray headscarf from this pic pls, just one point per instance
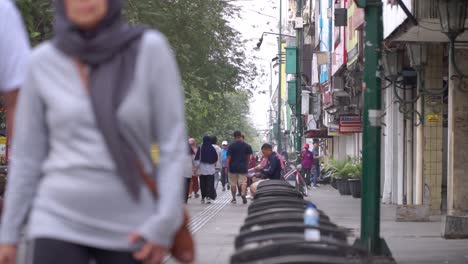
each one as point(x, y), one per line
point(110, 50)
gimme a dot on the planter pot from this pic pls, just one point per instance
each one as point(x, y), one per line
point(334, 183)
point(343, 186)
point(355, 187)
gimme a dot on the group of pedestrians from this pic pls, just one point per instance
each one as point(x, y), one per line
point(212, 164)
point(310, 162)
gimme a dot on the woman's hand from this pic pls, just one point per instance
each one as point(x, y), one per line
point(149, 253)
point(7, 254)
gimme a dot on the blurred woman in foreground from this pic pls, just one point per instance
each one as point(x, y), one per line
point(95, 98)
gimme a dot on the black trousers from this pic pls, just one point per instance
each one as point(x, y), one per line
point(187, 188)
point(207, 186)
point(51, 251)
point(224, 178)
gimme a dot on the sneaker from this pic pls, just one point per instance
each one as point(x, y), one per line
point(244, 199)
point(202, 200)
point(239, 194)
point(190, 196)
point(208, 200)
point(249, 196)
point(315, 186)
point(197, 195)
point(233, 201)
point(229, 187)
point(224, 189)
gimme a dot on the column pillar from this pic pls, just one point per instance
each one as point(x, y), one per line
point(455, 224)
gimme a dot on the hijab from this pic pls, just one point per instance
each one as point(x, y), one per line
point(207, 152)
point(110, 50)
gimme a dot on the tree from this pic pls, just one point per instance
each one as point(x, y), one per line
point(216, 74)
point(37, 15)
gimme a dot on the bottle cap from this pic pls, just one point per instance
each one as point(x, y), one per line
point(311, 205)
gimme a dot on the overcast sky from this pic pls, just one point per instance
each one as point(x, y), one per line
point(259, 16)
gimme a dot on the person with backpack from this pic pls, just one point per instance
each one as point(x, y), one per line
point(206, 159)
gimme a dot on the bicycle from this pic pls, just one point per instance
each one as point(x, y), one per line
point(299, 182)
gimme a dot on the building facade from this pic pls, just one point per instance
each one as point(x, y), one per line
point(424, 110)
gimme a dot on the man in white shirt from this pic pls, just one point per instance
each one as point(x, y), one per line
point(14, 55)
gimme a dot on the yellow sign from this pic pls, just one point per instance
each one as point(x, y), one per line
point(355, 20)
point(433, 118)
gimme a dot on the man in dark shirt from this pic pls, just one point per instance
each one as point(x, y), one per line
point(238, 157)
point(272, 170)
point(269, 171)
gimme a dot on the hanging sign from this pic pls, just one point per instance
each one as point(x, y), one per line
point(350, 124)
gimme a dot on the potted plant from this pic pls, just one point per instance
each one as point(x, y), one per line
point(355, 180)
point(343, 170)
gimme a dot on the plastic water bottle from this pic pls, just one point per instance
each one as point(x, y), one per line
point(311, 220)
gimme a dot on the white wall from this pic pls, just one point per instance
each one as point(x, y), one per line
point(347, 145)
point(393, 16)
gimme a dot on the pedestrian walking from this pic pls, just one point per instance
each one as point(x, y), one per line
point(307, 159)
point(194, 184)
point(239, 189)
point(219, 163)
point(224, 174)
point(237, 162)
point(188, 177)
point(206, 160)
point(14, 54)
point(93, 102)
point(316, 163)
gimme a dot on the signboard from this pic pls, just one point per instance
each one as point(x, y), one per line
point(316, 134)
point(327, 98)
point(283, 72)
point(350, 124)
point(339, 44)
point(325, 35)
point(333, 132)
point(356, 18)
point(433, 118)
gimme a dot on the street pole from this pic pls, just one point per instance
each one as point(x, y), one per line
point(280, 56)
point(370, 202)
point(270, 116)
point(299, 39)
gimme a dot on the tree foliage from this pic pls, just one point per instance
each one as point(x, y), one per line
point(216, 74)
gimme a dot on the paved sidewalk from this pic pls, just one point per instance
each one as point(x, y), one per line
point(411, 243)
point(215, 239)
